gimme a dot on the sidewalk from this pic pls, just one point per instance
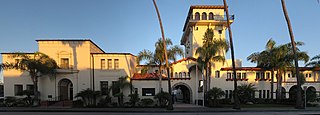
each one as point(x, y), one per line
point(177, 108)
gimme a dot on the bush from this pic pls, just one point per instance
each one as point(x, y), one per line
point(10, 101)
point(77, 103)
point(105, 102)
point(134, 98)
point(146, 102)
point(163, 98)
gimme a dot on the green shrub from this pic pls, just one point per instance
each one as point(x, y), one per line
point(163, 98)
point(146, 102)
point(134, 98)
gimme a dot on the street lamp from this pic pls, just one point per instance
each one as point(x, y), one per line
point(305, 96)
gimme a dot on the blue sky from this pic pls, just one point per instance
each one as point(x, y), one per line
point(131, 26)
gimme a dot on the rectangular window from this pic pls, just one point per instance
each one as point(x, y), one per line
point(268, 75)
point(103, 63)
point(30, 87)
point(230, 94)
point(227, 94)
point(229, 75)
point(109, 63)
point(262, 75)
point(200, 86)
point(217, 74)
point(268, 94)
point(64, 63)
point(148, 91)
point(244, 75)
point(260, 94)
point(238, 75)
point(289, 75)
point(115, 90)
point(264, 93)
point(309, 74)
point(116, 63)
point(104, 87)
point(17, 89)
point(135, 90)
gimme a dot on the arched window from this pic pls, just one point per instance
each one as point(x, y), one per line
point(180, 75)
point(204, 16)
point(184, 75)
point(188, 75)
point(176, 75)
point(210, 16)
point(197, 16)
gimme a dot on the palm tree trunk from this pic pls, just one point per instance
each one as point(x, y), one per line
point(235, 85)
point(165, 54)
point(279, 86)
point(299, 104)
point(35, 91)
point(160, 78)
point(272, 80)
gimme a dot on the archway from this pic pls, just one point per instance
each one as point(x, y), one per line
point(183, 93)
point(65, 90)
point(293, 92)
point(311, 94)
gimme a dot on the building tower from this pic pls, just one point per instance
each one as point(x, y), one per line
point(199, 19)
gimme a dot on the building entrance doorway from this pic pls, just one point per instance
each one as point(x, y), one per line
point(65, 90)
point(181, 93)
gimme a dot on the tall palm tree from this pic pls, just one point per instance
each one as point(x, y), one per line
point(210, 51)
point(314, 61)
point(119, 86)
point(157, 57)
point(277, 58)
point(299, 104)
point(37, 65)
point(236, 100)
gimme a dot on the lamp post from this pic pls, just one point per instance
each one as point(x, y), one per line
point(305, 96)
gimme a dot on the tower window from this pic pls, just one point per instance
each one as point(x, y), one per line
point(210, 16)
point(197, 16)
point(204, 16)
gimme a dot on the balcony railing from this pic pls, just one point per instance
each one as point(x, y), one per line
point(64, 66)
point(207, 17)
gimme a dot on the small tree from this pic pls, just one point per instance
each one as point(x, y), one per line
point(245, 92)
point(214, 94)
point(37, 64)
point(87, 97)
point(28, 93)
point(134, 98)
point(120, 85)
point(163, 98)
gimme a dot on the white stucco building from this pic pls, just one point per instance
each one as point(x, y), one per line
point(83, 64)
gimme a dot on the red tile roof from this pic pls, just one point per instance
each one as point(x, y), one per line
point(147, 76)
point(262, 69)
point(185, 59)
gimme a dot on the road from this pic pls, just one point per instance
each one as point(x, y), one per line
point(174, 113)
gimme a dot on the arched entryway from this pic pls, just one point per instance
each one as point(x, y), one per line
point(311, 94)
point(293, 92)
point(65, 90)
point(183, 93)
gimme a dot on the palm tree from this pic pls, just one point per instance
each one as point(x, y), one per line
point(236, 100)
point(170, 107)
point(215, 93)
point(119, 86)
point(210, 51)
point(299, 104)
point(245, 92)
point(314, 62)
point(277, 58)
point(37, 65)
point(88, 96)
point(157, 57)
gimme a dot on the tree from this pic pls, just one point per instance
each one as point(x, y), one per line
point(299, 104)
point(245, 92)
point(163, 98)
point(157, 57)
point(236, 100)
point(314, 61)
point(214, 94)
point(120, 85)
point(210, 51)
point(37, 65)
point(88, 97)
point(277, 58)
